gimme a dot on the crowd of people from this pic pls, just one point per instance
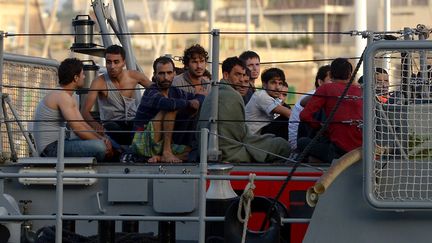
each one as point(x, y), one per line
point(177, 102)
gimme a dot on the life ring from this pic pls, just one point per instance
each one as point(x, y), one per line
point(233, 228)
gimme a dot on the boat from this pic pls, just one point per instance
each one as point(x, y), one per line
point(79, 200)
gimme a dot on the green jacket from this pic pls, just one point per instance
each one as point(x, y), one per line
point(231, 113)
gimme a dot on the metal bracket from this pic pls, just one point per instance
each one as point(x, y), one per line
point(98, 195)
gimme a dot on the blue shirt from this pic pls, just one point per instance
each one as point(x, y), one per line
point(152, 102)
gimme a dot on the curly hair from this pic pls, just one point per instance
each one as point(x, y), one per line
point(67, 70)
point(194, 50)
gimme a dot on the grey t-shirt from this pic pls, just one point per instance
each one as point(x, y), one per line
point(47, 125)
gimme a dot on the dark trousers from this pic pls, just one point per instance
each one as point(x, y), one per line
point(323, 149)
point(120, 131)
point(278, 127)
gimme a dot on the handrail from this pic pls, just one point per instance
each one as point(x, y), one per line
point(156, 176)
point(127, 217)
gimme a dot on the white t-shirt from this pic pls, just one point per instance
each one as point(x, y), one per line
point(259, 108)
point(294, 121)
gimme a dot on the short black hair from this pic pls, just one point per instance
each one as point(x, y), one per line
point(248, 55)
point(67, 70)
point(321, 74)
point(115, 49)
point(341, 68)
point(163, 60)
point(380, 70)
point(249, 73)
point(272, 73)
point(230, 62)
point(194, 50)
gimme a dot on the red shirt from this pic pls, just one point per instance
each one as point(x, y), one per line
point(343, 134)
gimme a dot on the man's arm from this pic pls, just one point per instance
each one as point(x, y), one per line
point(305, 100)
point(282, 110)
point(141, 77)
point(82, 129)
point(314, 105)
point(70, 112)
point(152, 98)
point(89, 102)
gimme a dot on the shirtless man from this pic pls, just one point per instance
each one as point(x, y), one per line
point(58, 108)
point(117, 108)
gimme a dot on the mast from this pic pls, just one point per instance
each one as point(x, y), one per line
point(248, 23)
point(387, 15)
point(211, 20)
point(26, 26)
point(387, 27)
point(360, 25)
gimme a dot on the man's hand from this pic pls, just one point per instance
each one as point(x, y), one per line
point(194, 104)
point(98, 128)
point(109, 150)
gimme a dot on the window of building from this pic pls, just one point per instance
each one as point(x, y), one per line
point(410, 2)
point(420, 2)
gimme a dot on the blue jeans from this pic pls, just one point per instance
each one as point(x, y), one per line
point(78, 148)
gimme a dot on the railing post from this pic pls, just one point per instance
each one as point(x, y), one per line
point(59, 185)
point(213, 149)
point(202, 188)
point(98, 9)
point(2, 35)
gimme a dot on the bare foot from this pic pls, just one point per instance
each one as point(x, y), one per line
point(169, 157)
point(154, 159)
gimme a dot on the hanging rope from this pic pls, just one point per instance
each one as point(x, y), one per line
point(245, 204)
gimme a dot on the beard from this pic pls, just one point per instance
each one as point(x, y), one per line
point(164, 84)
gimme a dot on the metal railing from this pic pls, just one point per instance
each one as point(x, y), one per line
point(397, 129)
point(202, 177)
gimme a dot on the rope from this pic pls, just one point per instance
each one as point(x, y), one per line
point(245, 204)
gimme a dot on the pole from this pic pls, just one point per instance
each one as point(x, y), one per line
point(26, 27)
point(387, 27)
point(100, 17)
point(361, 25)
point(387, 15)
point(213, 149)
point(125, 39)
point(202, 189)
point(59, 185)
point(2, 35)
point(211, 20)
point(248, 23)
point(325, 30)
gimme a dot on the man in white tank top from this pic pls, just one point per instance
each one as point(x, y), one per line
point(59, 107)
point(115, 94)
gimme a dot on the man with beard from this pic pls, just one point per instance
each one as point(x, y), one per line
point(236, 142)
point(115, 94)
point(157, 112)
point(193, 79)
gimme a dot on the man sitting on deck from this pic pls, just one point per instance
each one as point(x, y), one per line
point(236, 142)
point(115, 94)
point(59, 107)
point(344, 131)
point(156, 116)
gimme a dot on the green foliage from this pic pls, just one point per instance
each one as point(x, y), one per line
point(281, 43)
point(201, 5)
